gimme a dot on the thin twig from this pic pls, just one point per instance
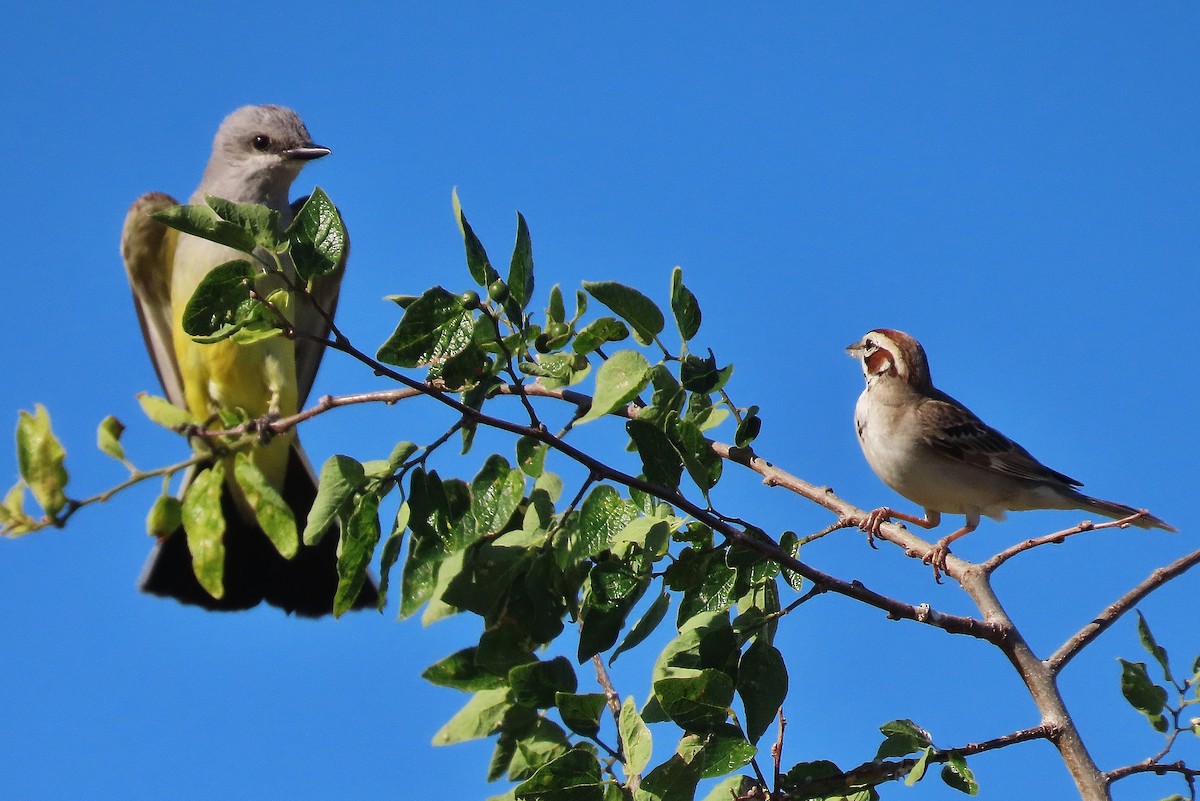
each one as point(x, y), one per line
point(877, 772)
point(1057, 537)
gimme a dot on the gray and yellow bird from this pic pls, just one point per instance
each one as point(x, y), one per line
point(257, 153)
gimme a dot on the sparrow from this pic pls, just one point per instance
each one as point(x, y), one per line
point(938, 454)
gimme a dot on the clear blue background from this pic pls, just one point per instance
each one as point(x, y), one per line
point(1016, 185)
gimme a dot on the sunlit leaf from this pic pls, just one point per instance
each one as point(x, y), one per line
point(41, 460)
point(631, 306)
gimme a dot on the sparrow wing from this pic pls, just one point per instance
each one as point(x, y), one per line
point(308, 319)
point(148, 248)
point(955, 431)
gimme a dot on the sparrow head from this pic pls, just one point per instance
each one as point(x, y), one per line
point(887, 352)
point(257, 153)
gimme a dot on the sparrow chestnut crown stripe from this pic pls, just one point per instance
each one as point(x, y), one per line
point(935, 452)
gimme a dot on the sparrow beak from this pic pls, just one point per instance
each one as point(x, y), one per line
point(853, 350)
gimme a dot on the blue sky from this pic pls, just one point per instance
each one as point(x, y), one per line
point(1016, 185)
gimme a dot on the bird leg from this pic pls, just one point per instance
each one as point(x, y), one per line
point(941, 549)
point(884, 514)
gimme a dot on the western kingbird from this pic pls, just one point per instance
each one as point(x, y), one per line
point(257, 153)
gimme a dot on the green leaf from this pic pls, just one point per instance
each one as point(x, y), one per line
point(603, 514)
point(40, 459)
point(762, 684)
point(108, 437)
point(205, 223)
point(702, 413)
point(460, 671)
point(631, 306)
point(644, 627)
point(399, 455)
point(613, 590)
point(544, 742)
point(271, 511)
point(434, 328)
point(901, 738)
point(649, 534)
point(673, 780)
point(165, 413)
point(618, 381)
point(502, 647)
point(702, 463)
point(480, 717)
point(703, 375)
point(598, 333)
point(636, 741)
point(748, 429)
point(1152, 647)
point(13, 520)
point(1142, 694)
point(734, 787)
point(390, 552)
point(427, 547)
point(956, 774)
point(574, 776)
point(720, 752)
point(536, 683)
point(581, 712)
point(556, 311)
point(520, 270)
point(789, 543)
point(221, 304)
point(204, 525)
point(485, 577)
point(165, 517)
point(260, 222)
point(531, 456)
point(477, 259)
point(918, 770)
point(661, 462)
point(684, 306)
point(355, 551)
point(496, 491)
point(697, 702)
point(341, 476)
point(716, 592)
point(318, 237)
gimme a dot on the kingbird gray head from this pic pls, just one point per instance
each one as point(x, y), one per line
point(257, 153)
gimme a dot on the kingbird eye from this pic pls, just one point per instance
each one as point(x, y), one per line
point(261, 142)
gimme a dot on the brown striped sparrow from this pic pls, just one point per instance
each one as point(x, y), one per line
point(935, 452)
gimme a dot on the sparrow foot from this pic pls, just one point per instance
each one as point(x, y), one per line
point(937, 558)
point(873, 521)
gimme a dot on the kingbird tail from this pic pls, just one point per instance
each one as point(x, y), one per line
point(254, 571)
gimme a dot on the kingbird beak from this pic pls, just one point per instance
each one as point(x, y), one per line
point(307, 152)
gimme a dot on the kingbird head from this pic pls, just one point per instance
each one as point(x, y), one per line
point(257, 153)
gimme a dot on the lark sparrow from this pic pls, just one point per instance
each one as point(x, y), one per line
point(934, 451)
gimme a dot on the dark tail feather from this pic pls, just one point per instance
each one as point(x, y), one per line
point(254, 571)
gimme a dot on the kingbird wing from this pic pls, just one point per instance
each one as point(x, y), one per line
point(148, 248)
point(308, 319)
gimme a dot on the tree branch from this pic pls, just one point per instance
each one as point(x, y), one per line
point(1160, 576)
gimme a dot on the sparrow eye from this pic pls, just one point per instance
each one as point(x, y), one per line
point(261, 143)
